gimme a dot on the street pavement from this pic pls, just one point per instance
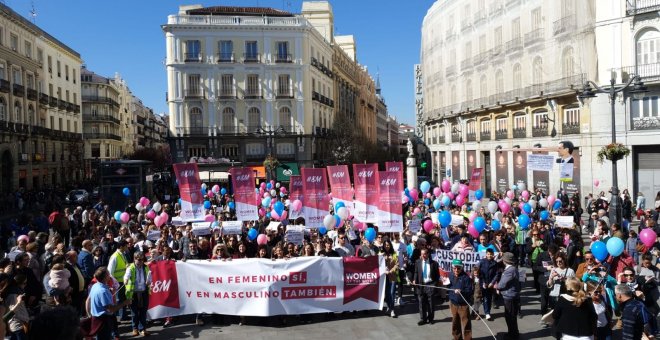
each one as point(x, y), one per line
point(360, 325)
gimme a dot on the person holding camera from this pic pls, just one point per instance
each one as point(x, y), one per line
point(559, 272)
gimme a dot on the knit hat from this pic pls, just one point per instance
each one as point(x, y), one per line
point(23, 238)
point(508, 258)
point(457, 263)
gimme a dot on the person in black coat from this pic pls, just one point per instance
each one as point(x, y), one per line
point(574, 312)
point(426, 275)
point(541, 273)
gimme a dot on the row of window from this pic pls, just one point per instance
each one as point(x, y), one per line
point(226, 53)
point(228, 86)
point(229, 122)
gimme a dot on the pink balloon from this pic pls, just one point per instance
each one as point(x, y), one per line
point(450, 195)
point(509, 194)
point(284, 215)
point(262, 239)
point(460, 200)
point(216, 189)
point(428, 226)
point(525, 194)
point(296, 205)
point(414, 194)
point(472, 216)
point(125, 217)
point(473, 231)
point(596, 183)
point(648, 237)
point(274, 215)
point(262, 185)
point(464, 190)
point(416, 211)
point(211, 194)
point(158, 221)
point(446, 186)
point(151, 215)
point(209, 218)
point(504, 207)
point(551, 200)
point(437, 191)
point(404, 199)
point(283, 190)
point(262, 212)
point(165, 216)
point(144, 201)
point(266, 194)
point(428, 195)
point(359, 225)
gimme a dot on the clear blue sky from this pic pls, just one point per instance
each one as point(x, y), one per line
point(125, 36)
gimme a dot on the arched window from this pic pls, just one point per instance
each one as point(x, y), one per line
point(18, 112)
point(468, 89)
point(452, 98)
point(537, 71)
point(499, 82)
point(228, 120)
point(483, 86)
point(517, 76)
point(647, 46)
point(568, 64)
point(254, 119)
point(30, 113)
point(3, 109)
point(196, 119)
point(285, 119)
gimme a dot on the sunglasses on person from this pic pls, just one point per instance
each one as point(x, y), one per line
point(628, 275)
point(589, 258)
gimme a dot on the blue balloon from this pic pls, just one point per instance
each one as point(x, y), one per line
point(615, 246)
point(514, 187)
point(446, 201)
point(269, 186)
point(370, 234)
point(437, 204)
point(180, 202)
point(337, 221)
point(207, 205)
point(203, 191)
point(599, 249)
point(282, 194)
point(232, 205)
point(256, 190)
point(338, 205)
point(223, 191)
point(323, 230)
point(268, 214)
point(278, 207)
point(495, 225)
point(527, 208)
point(544, 215)
point(117, 215)
point(252, 234)
point(479, 194)
point(523, 221)
point(479, 224)
point(406, 190)
point(557, 205)
point(444, 218)
point(126, 191)
point(425, 187)
point(427, 202)
point(265, 202)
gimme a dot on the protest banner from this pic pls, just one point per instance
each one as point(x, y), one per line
point(564, 221)
point(540, 162)
point(190, 187)
point(415, 225)
point(232, 227)
point(201, 228)
point(295, 193)
point(340, 185)
point(295, 234)
point(258, 287)
point(365, 178)
point(315, 204)
point(475, 183)
point(153, 235)
point(390, 214)
point(244, 197)
point(444, 258)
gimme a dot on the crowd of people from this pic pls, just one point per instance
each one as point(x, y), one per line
point(82, 262)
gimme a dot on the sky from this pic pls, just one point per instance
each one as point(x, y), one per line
point(125, 37)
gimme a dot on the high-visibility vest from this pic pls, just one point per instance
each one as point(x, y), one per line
point(130, 284)
point(120, 267)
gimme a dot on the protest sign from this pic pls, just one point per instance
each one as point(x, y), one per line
point(153, 235)
point(390, 217)
point(415, 225)
point(457, 220)
point(564, 221)
point(295, 234)
point(316, 202)
point(232, 227)
point(272, 226)
point(434, 218)
point(259, 287)
point(540, 162)
point(201, 228)
point(243, 182)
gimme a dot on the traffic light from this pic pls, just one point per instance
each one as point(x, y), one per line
point(423, 165)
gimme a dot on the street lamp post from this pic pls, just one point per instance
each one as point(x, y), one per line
point(589, 93)
point(271, 162)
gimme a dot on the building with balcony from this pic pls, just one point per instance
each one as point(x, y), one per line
point(522, 63)
point(40, 124)
point(240, 96)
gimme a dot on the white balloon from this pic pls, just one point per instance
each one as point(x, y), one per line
point(273, 193)
point(329, 222)
point(157, 206)
point(343, 213)
point(204, 186)
point(492, 207)
point(476, 205)
point(498, 215)
point(287, 202)
point(508, 201)
point(277, 185)
point(522, 187)
point(543, 203)
point(138, 206)
point(455, 187)
point(532, 203)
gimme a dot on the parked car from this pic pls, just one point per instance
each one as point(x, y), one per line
point(77, 196)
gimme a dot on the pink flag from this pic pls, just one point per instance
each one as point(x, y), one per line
point(242, 180)
point(394, 166)
point(315, 205)
point(366, 192)
point(340, 184)
point(390, 214)
point(190, 189)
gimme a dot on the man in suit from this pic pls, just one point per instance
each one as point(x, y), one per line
point(565, 150)
point(426, 275)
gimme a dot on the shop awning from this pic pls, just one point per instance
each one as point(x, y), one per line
point(213, 176)
point(286, 170)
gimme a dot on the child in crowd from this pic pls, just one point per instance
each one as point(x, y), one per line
point(631, 245)
point(478, 295)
